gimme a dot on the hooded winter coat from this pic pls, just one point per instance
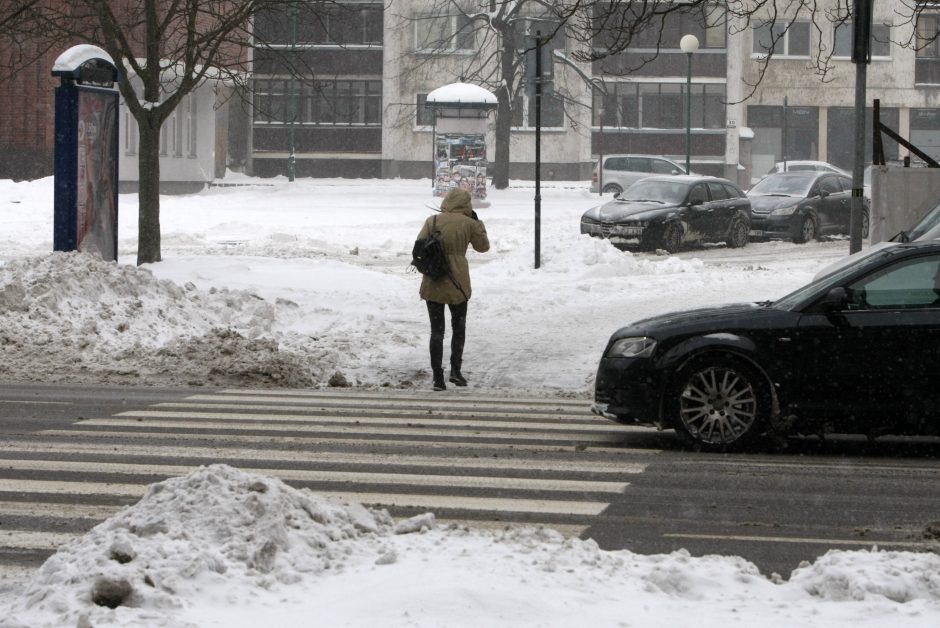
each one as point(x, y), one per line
point(459, 229)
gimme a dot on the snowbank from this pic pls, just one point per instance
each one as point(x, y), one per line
point(221, 547)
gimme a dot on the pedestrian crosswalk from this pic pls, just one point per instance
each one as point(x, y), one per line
point(482, 461)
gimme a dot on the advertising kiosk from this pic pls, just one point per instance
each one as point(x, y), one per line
point(461, 113)
point(86, 152)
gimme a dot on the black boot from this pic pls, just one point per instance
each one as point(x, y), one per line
point(456, 378)
point(439, 381)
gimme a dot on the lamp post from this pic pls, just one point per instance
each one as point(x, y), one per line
point(688, 44)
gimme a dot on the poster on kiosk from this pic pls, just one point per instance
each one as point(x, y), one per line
point(86, 153)
point(460, 162)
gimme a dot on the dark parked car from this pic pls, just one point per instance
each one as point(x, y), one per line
point(667, 212)
point(855, 351)
point(800, 206)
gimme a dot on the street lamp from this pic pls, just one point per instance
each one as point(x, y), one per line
point(688, 44)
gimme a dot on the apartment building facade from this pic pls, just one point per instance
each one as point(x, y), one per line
point(344, 93)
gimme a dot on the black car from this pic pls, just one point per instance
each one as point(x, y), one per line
point(855, 351)
point(802, 205)
point(669, 211)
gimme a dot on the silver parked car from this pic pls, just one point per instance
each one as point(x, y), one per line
point(622, 171)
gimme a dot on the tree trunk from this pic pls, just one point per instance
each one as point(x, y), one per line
point(148, 227)
point(503, 129)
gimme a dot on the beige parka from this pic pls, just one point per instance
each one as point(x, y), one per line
point(458, 230)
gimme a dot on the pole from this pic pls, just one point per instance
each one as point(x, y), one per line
point(861, 57)
point(858, 168)
point(688, 117)
point(538, 146)
point(600, 146)
point(786, 133)
point(292, 105)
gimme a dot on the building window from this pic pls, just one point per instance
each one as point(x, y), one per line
point(312, 24)
point(660, 106)
point(781, 39)
point(708, 22)
point(444, 33)
point(192, 126)
point(842, 41)
point(553, 111)
point(177, 132)
point(325, 103)
point(423, 115)
point(928, 42)
point(130, 134)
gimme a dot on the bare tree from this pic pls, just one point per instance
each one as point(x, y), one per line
point(164, 49)
point(501, 30)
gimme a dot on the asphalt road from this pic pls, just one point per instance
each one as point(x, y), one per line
point(72, 455)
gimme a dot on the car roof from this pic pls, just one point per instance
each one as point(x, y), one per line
point(638, 155)
point(685, 178)
point(880, 250)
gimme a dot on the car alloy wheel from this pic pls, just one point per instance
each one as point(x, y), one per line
point(866, 224)
point(720, 403)
point(612, 189)
point(738, 235)
point(672, 237)
point(807, 230)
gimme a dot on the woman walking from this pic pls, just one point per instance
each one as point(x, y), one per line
point(459, 228)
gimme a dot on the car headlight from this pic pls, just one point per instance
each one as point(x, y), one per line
point(588, 221)
point(783, 211)
point(638, 347)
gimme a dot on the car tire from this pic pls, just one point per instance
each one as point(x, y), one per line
point(719, 403)
point(807, 230)
point(671, 239)
point(738, 234)
point(866, 224)
point(612, 188)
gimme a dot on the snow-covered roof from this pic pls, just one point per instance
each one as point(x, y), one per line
point(464, 94)
point(74, 57)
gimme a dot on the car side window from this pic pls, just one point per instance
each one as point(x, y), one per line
point(661, 166)
point(616, 163)
point(698, 195)
point(732, 191)
point(845, 183)
point(830, 185)
point(639, 164)
point(910, 284)
point(718, 191)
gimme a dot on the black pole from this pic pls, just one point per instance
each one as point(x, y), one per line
point(538, 146)
point(786, 139)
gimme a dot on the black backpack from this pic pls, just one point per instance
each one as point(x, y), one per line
point(428, 254)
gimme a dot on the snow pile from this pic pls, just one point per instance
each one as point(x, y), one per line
point(69, 314)
point(190, 534)
point(898, 576)
point(221, 547)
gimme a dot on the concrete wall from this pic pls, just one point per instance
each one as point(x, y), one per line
point(900, 198)
point(199, 168)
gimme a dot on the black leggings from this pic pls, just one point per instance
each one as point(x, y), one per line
point(458, 320)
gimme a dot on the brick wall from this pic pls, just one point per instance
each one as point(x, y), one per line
point(27, 120)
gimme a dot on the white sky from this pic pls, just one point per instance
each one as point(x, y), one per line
point(315, 271)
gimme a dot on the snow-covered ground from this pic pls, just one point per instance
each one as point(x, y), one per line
point(306, 284)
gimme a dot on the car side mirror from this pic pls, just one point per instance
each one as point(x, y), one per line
point(836, 299)
point(823, 193)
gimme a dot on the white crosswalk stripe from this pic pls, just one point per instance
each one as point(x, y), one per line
point(483, 461)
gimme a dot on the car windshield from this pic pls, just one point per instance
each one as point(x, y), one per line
point(672, 192)
point(823, 284)
point(928, 222)
point(791, 184)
